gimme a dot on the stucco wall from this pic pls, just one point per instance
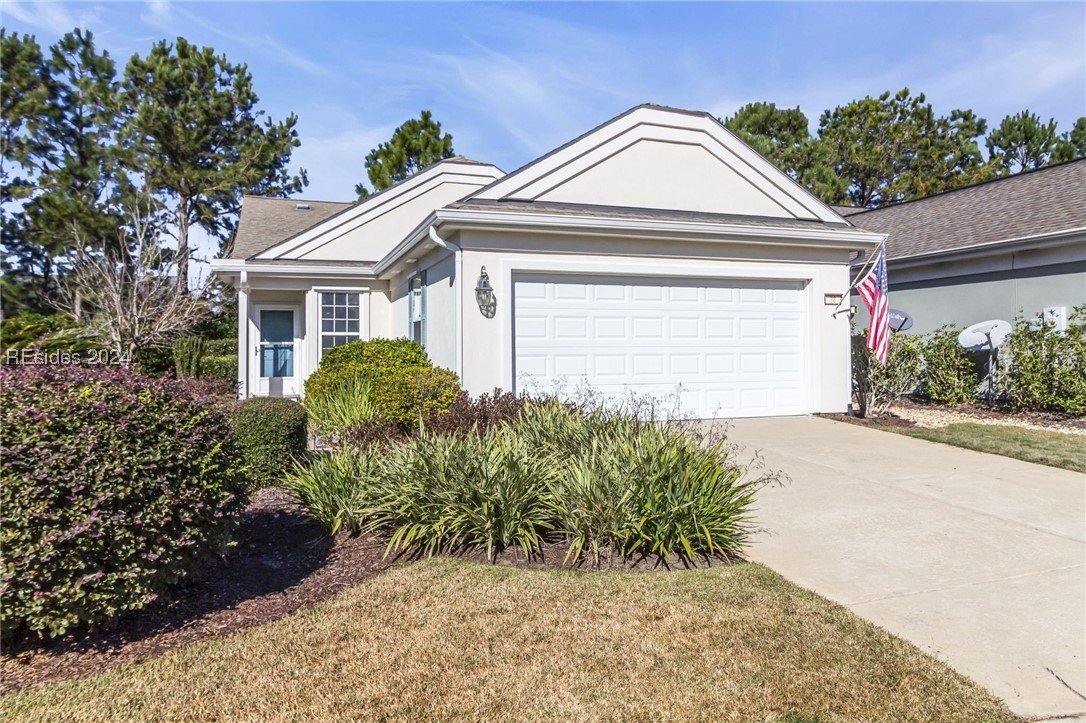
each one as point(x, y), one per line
point(488, 342)
point(968, 299)
point(440, 270)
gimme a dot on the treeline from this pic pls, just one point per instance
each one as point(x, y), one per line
point(102, 162)
point(877, 151)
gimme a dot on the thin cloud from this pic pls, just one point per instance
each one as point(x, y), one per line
point(53, 17)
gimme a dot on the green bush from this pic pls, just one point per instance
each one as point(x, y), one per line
point(222, 367)
point(1043, 369)
point(222, 347)
point(949, 375)
point(407, 388)
point(30, 331)
point(271, 432)
point(377, 354)
point(113, 486)
point(188, 357)
point(877, 387)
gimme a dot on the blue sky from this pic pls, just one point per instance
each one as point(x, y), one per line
point(512, 81)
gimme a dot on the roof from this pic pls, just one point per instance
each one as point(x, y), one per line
point(593, 211)
point(1044, 201)
point(267, 221)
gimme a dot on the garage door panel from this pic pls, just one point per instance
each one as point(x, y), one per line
point(711, 347)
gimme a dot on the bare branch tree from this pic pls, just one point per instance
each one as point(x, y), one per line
point(134, 302)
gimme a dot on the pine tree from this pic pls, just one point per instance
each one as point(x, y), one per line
point(197, 136)
point(416, 144)
point(1022, 142)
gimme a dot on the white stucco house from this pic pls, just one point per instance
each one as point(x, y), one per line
point(657, 253)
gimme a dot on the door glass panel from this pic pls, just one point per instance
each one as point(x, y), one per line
point(276, 343)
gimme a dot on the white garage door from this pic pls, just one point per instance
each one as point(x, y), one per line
point(711, 348)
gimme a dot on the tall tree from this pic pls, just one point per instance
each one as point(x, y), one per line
point(782, 135)
point(70, 185)
point(893, 148)
point(196, 135)
point(1072, 144)
point(416, 144)
point(1022, 142)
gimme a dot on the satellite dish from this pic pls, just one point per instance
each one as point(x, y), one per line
point(985, 335)
point(900, 320)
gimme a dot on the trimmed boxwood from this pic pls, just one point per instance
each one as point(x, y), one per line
point(113, 486)
point(272, 434)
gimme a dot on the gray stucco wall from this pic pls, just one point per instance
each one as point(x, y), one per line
point(965, 300)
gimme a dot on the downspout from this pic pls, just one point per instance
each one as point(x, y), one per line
point(458, 294)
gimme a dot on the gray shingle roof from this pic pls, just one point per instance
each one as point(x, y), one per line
point(1047, 200)
point(267, 221)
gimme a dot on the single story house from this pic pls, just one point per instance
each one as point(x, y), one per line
point(656, 254)
point(1013, 247)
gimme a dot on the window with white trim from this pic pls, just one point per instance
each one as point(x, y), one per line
point(341, 321)
point(416, 308)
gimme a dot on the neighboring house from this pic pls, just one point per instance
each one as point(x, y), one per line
point(656, 253)
point(1007, 248)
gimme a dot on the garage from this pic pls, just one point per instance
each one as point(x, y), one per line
point(706, 348)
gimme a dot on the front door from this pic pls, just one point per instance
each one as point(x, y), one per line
point(276, 353)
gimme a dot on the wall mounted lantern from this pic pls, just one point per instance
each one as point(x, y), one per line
point(484, 295)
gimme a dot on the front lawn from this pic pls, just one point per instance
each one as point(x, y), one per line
point(453, 640)
point(1054, 449)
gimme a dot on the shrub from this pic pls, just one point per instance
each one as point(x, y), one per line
point(349, 404)
point(412, 395)
point(114, 485)
point(54, 333)
point(877, 387)
point(222, 347)
point(949, 375)
point(480, 414)
point(223, 367)
point(271, 432)
point(463, 491)
point(377, 354)
point(188, 357)
point(1044, 369)
point(339, 488)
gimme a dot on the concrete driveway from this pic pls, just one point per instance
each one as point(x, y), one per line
point(977, 559)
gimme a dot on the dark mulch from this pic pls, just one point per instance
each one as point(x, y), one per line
point(283, 562)
point(886, 420)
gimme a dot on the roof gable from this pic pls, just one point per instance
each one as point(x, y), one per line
point(653, 157)
point(369, 229)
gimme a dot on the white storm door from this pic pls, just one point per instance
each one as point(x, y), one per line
point(276, 355)
point(703, 348)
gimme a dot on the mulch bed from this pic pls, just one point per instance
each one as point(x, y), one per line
point(283, 562)
point(886, 420)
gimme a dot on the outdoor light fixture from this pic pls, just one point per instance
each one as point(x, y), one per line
point(484, 295)
point(851, 312)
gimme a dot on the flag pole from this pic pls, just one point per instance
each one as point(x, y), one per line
point(859, 277)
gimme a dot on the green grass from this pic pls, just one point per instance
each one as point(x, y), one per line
point(452, 640)
point(1054, 449)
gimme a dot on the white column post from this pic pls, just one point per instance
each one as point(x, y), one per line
point(243, 336)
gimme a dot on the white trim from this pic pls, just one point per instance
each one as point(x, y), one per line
point(233, 266)
point(846, 237)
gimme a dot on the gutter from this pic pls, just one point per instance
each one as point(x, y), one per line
point(458, 293)
point(229, 267)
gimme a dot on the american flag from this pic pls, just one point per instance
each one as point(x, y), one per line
point(874, 290)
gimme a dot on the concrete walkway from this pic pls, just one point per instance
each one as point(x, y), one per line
point(977, 559)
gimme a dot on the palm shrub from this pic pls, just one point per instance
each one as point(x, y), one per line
point(340, 488)
point(877, 387)
point(349, 404)
point(1045, 369)
point(455, 492)
point(113, 486)
point(949, 375)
